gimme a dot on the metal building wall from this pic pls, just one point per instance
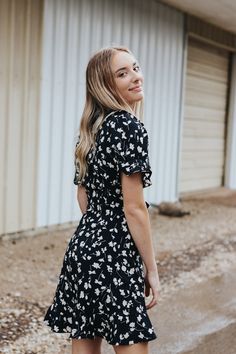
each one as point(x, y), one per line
point(204, 123)
point(20, 39)
point(218, 37)
point(73, 30)
point(230, 168)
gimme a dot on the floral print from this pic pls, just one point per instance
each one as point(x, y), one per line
point(100, 291)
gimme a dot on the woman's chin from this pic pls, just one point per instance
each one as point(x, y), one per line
point(137, 99)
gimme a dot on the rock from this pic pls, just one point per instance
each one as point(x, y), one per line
point(172, 209)
point(17, 293)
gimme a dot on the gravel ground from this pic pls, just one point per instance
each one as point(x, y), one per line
point(189, 250)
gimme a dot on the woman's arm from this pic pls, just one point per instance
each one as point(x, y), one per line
point(138, 221)
point(137, 217)
point(82, 198)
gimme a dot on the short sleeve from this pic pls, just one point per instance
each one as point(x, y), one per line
point(130, 141)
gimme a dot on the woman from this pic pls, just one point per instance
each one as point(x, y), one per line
point(102, 285)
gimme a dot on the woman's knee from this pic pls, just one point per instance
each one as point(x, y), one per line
point(137, 348)
point(86, 346)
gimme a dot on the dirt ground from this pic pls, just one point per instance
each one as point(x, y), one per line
point(189, 250)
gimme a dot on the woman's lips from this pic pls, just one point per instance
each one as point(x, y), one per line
point(136, 89)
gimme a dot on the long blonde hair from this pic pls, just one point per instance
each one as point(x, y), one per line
point(101, 96)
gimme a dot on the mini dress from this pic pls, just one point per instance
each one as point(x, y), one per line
point(100, 290)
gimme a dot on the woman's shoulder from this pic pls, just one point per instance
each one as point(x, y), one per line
point(123, 119)
point(123, 127)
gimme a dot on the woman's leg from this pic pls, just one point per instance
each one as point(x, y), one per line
point(86, 346)
point(137, 348)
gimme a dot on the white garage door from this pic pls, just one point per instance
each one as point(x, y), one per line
point(203, 146)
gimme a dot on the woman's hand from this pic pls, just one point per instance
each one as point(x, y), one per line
point(152, 283)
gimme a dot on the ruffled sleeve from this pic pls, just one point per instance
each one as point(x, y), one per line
point(130, 142)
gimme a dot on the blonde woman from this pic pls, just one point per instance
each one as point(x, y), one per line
point(109, 265)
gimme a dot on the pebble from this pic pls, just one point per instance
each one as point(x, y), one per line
point(17, 293)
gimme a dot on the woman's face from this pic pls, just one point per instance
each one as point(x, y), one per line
point(128, 77)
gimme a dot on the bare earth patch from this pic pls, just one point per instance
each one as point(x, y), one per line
point(189, 250)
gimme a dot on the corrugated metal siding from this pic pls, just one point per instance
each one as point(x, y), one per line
point(230, 170)
point(163, 100)
point(20, 30)
point(73, 30)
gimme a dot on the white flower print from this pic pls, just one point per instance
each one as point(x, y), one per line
point(100, 289)
point(131, 271)
point(109, 269)
point(117, 265)
point(108, 299)
point(96, 265)
point(97, 291)
point(73, 332)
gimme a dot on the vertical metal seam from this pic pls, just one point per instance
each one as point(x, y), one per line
point(48, 198)
point(9, 32)
point(227, 112)
point(11, 50)
point(63, 114)
point(39, 91)
point(24, 109)
point(181, 106)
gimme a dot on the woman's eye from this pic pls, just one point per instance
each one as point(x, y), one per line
point(137, 68)
point(122, 74)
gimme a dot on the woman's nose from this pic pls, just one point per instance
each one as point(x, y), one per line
point(137, 76)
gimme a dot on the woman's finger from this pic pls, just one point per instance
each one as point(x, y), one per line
point(152, 303)
point(154, 300)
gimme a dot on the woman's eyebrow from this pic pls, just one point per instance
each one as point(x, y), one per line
point(124, 67)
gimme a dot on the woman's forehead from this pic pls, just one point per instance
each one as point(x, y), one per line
point(122, 59)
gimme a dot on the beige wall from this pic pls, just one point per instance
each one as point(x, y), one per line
point(20, 58)
point(219, 13)
point(205, 111)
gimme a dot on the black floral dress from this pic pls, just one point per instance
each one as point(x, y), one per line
point(100, 290)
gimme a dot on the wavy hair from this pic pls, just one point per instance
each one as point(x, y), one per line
point(101, 97)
